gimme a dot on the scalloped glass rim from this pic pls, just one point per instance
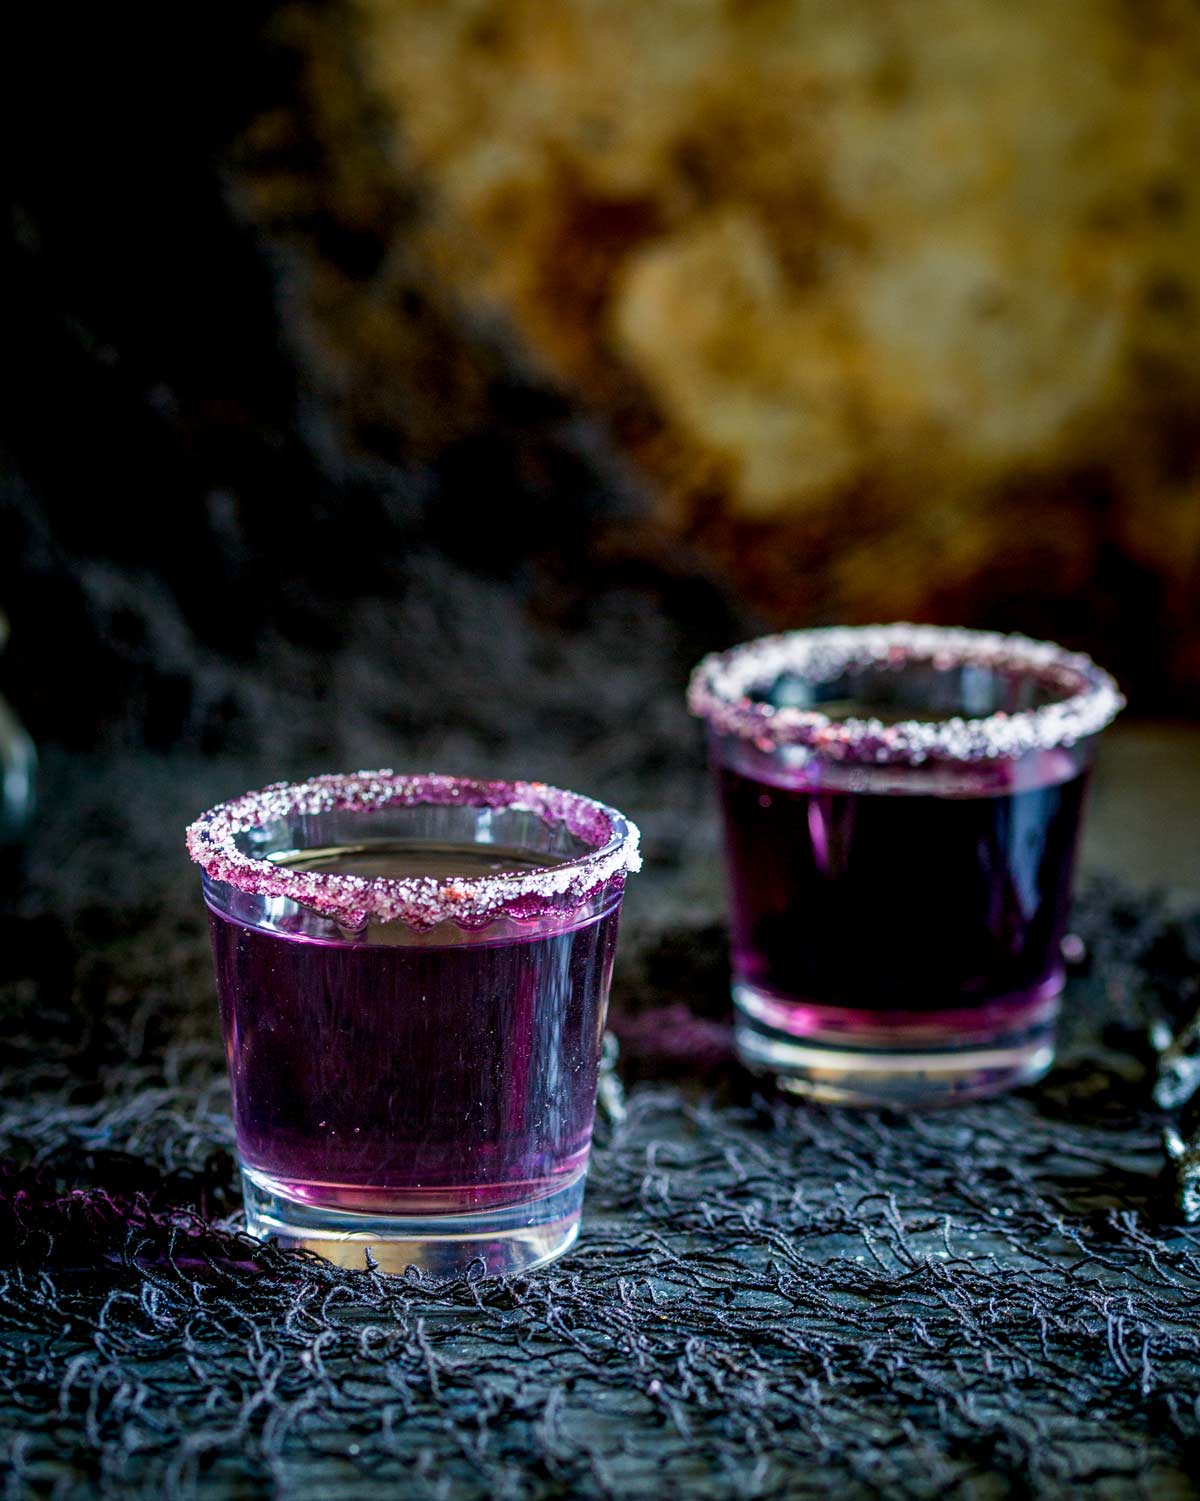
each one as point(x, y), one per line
point(424, 901)
point(722, 683)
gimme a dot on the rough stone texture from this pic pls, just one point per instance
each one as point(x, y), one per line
point(897, 306)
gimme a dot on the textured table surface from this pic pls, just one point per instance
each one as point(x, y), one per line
point(769, 1299)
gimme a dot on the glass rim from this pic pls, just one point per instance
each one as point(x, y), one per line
point(420, 901)
point(721, 686)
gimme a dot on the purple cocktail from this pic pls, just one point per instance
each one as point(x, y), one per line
point(413, 975)
point(901, 811)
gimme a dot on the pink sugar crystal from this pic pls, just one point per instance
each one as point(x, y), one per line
point(420, 901)
point(722, 687)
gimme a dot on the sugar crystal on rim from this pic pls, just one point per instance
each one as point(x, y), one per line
point(420, 901)
point(722, 686)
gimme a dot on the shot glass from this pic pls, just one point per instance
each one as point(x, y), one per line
point(901, 809)
point(413, 975)
point(18, 779)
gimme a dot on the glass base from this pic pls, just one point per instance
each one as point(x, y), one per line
point(516, 1238)
point(903, 1060)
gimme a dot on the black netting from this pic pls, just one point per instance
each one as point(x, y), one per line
point(769, 1299)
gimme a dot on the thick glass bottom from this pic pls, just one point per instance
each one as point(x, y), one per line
point(906, 1060)
point(516, 1238)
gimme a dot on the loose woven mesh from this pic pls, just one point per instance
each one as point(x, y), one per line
point(769, 1299)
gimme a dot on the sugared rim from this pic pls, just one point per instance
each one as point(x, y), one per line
point(721, 687)
point(420, 901)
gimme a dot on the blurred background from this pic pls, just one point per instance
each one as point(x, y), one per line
point(429, 383)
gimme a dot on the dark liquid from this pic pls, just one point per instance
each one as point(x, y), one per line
point(411, 1077)
point(893, 902)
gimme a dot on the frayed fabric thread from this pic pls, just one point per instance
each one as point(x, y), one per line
point(782, 1300)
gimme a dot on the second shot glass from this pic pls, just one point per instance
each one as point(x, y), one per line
point(901, 809)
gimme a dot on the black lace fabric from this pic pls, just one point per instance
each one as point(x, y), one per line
point(769, 1298)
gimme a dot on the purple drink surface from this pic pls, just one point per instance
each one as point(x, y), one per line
point(406, 1075)
point(898, 902)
